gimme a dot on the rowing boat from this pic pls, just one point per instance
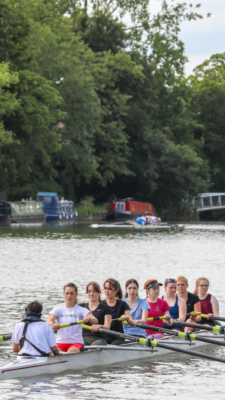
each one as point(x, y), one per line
point(93, 356)
point(129, 224)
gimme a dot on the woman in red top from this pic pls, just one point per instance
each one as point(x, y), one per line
point(209, 303)
point(158, 307)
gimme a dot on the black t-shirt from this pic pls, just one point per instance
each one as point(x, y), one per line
point(191, 301)
point(118, 310)
point(99, 313)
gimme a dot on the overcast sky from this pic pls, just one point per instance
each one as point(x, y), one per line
point(203, 37)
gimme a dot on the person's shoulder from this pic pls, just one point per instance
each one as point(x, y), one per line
point(143, 302)
point(57, 308)
point(78, 307)
point(193, 297)
point(19, 326)
point(103, 302)
point(84, 305)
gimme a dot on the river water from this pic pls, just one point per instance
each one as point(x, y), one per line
point(35, 263)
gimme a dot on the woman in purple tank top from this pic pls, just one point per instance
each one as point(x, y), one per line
point(209, 303)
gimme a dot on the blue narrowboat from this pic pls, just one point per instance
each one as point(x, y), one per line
point(55, 209)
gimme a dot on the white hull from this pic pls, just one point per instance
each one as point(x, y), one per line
point(25, 367)
point(138, 227)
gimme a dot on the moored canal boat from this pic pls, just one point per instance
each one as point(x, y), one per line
point(25, 211)
point(128, 209)
point(56, 210)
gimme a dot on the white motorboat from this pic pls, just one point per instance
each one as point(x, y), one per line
point(93, 356)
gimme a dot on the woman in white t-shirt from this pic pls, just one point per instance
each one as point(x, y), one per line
point(70, 339)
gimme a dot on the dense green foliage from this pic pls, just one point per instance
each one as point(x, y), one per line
point(91, 106)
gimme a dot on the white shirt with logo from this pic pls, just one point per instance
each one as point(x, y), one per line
point(65, 315)
point(38, 333)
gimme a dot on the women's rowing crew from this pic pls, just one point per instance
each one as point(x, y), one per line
point(34, 337)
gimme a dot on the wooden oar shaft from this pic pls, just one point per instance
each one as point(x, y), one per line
point(154, 343)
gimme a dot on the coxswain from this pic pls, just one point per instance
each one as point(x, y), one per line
point(158, 307)
point(209, 303)
point(101, 311)
point(178, 308)
point(192, 301)
point(138, 308)
point(141, 220)
point(32, 336)
point(70, 339)
point(119, 308)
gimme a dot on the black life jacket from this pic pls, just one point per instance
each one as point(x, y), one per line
point(29, 320)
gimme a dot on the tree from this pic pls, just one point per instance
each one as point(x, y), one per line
point(207, 100)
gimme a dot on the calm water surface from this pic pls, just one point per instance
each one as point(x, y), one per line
point(35, 263)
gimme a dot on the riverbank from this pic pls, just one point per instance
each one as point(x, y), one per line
point(88, 211)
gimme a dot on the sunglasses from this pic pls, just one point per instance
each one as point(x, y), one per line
point(170, 281)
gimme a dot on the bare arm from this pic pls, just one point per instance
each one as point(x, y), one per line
point(130, 321)
point(182, 309)
point(144, 317)
point(90, 318)
point(51, 321)
point(107, 324)
point(16, 348)
point(197, 308)
point(54, 350)
point(215, 305)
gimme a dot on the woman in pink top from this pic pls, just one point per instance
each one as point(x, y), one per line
point(158, 307)
point(209, 303)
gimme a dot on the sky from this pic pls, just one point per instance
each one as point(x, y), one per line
point(202, 38)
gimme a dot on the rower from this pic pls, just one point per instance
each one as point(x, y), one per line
point(191, 299)
point(119, 308)
point(158, 307)
point(70, 339)
point(141, 220)
point(178, 308)
point(101, 311)
point(138, 308)
point(209, 303)
point(32, 336)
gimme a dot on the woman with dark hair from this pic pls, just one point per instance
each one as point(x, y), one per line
point(138, 308)
point(119, 309)
point(100, 311)
point(70, 339)
point(178, 308)
point(32, 336)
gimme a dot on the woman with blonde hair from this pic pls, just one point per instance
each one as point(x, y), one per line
point(192, 301)
point(209, 303)
point(158, 307)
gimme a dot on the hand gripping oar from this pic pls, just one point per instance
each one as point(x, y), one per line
point(182, 335)
point(217, 329)
point(214, 317)
point(153, 343)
